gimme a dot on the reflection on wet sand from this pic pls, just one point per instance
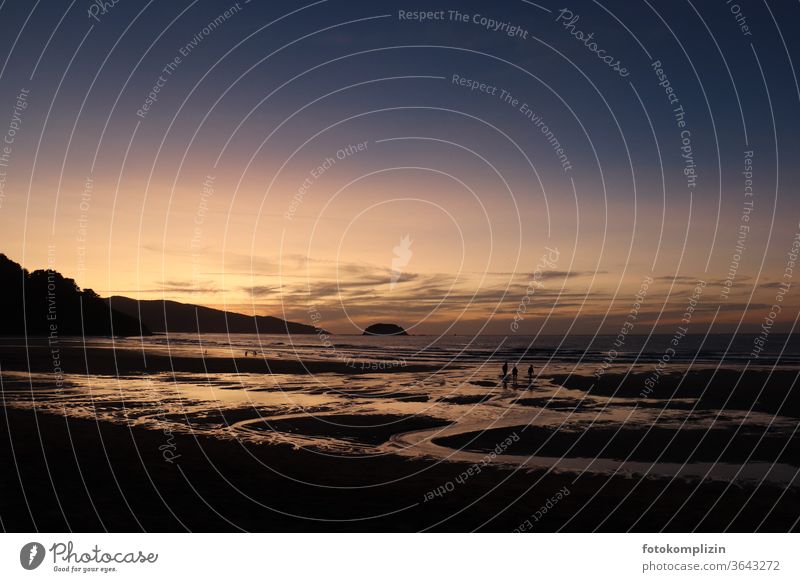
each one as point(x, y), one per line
point(564, 422)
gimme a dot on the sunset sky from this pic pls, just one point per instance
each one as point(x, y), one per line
point(242, 185)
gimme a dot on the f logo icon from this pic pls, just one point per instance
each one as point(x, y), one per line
point(31, 555)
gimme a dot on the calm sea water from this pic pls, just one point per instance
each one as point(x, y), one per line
point(710, 349)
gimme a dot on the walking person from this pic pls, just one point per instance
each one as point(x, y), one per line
point(505, 370)
point(514, 374)
point(530, 375)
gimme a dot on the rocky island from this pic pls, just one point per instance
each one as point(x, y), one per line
point(384, 329)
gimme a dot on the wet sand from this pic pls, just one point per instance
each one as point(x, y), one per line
point(762, 391)
point(691, 445)
point(113, 477)
point(108, 362)
point(372, 429)
point(81, 474)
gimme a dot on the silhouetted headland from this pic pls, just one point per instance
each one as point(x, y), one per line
point(171, 316)
point(45, 303)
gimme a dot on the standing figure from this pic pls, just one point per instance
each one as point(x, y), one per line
point(514, 373)
point(505, 370)
point(530, 375)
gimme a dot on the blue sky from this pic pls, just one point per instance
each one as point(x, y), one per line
point(264, 93)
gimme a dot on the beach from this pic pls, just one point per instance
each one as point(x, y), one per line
point(111, 360)
point(89, 476)
point(296, 440)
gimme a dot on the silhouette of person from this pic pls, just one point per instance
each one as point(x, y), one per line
point(530, 375)
point(514, 373)
point(505, 370)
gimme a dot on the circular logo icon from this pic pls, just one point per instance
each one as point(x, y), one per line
point(31, 555)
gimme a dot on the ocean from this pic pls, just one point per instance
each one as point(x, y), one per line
point(783, 349)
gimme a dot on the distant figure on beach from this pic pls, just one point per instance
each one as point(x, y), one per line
point(505, 370)
point(530, 375)
point(514, 374)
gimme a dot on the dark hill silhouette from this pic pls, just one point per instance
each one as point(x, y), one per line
point(161, 315)
point(44, 302)
point(384, 329)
